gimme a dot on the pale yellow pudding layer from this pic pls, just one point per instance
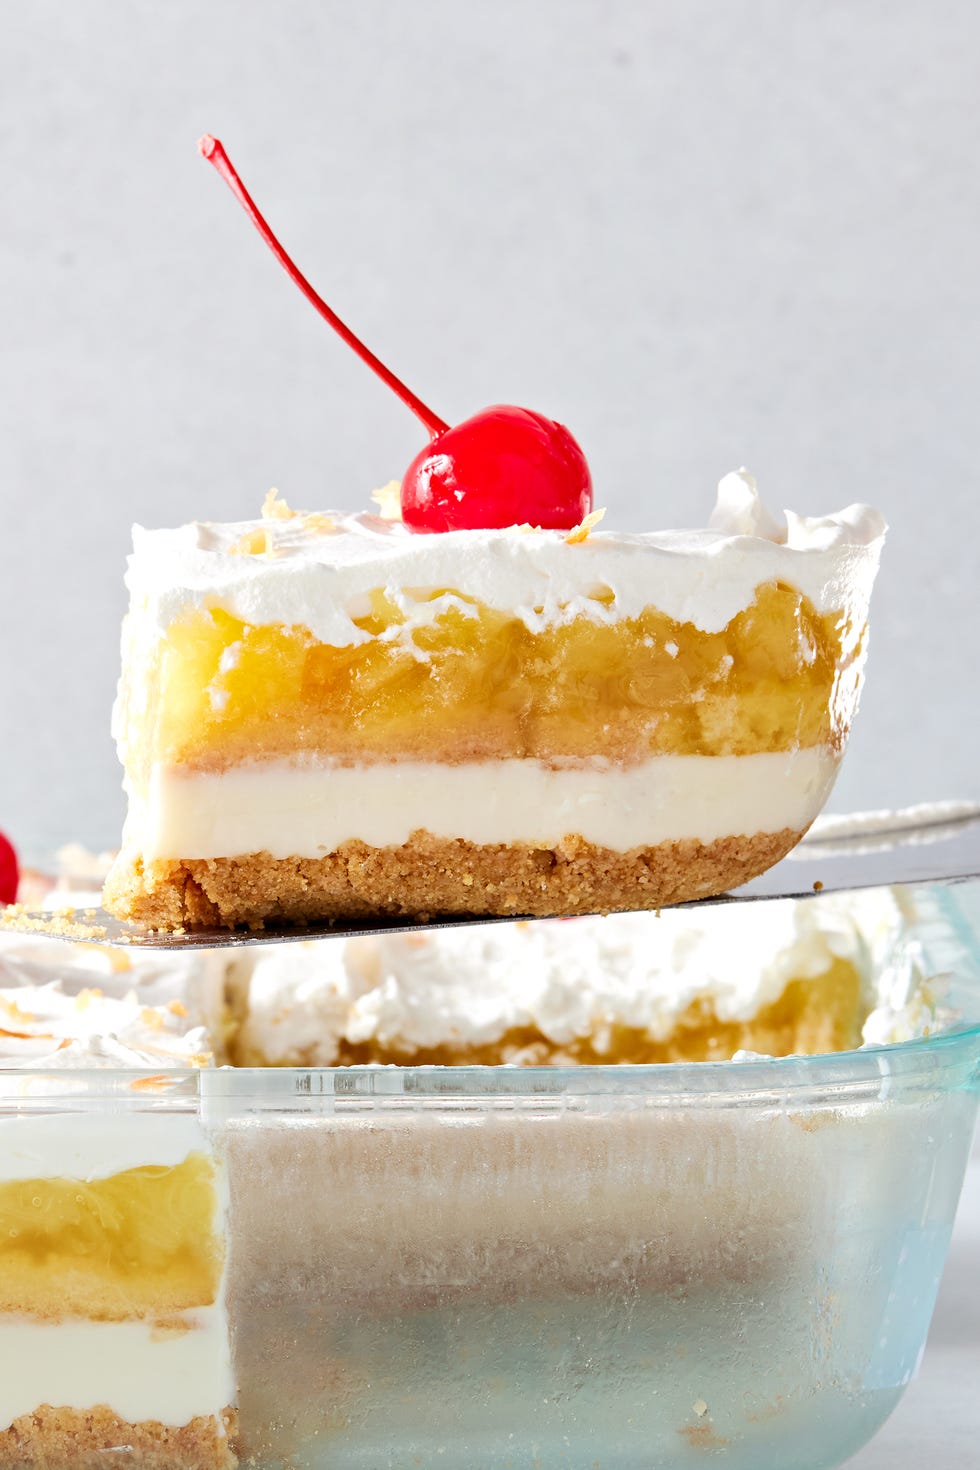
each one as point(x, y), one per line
point(135, 1244)
point(475, 683)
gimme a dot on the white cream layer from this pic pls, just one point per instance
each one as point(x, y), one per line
point(139, 1371)
point(94, 1145)
point(307, 810)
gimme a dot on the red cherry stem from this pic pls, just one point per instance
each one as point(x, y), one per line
point(214, 152)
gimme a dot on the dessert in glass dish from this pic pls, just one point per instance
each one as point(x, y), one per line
point(312, 1266)
point(478, 703)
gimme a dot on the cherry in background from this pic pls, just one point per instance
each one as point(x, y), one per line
point(9, 872)
point(504, 466)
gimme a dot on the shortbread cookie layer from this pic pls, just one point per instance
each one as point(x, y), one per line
point(91, 1439)
point(429, 876)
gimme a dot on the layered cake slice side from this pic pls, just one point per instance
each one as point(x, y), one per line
point(328, 716)
point(113, 1327)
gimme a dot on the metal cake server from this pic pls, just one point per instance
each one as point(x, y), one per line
point(939, 843)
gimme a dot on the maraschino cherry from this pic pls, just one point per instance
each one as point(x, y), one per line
point(502, 467)
point(9, 872)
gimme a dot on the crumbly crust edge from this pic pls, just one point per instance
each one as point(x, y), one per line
point(87, 1439)
point(428, 876)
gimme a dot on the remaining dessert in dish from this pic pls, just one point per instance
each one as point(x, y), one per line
point(512, 1258)
point(172, 1281)
point(113, 1327)
point(518, 1257)
point(325, 716)
point(691, 984)
point(685, 985)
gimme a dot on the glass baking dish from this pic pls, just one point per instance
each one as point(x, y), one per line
point(607, 1268)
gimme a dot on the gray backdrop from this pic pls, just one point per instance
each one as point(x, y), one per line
point(701, 232)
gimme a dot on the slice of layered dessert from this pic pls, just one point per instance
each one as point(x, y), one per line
point(113, 1332)
point(325, 716)
point(687, 985)
point(485, 706)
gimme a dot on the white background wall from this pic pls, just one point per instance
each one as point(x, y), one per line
point(701, 232)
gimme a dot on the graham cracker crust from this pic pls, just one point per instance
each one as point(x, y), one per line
point(91, 1439)
point(431, 876)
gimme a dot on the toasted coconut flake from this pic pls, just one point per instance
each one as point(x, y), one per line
point(259, 542)
point(150, 1084)
point(250, 543)
point(389, 500)
point(581, 531)
point(274, 508)
point(15, 1012)
point(317, 523)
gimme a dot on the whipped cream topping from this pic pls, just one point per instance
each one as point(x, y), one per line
point(318, 571)
point(567, 979)
point(45, 1027)
point(94, 1145)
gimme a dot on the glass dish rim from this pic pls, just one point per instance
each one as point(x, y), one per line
point(949, 1059)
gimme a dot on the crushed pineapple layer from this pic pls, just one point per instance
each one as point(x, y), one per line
point(136, 1244)
point(472, 683)
point(810, 1018)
